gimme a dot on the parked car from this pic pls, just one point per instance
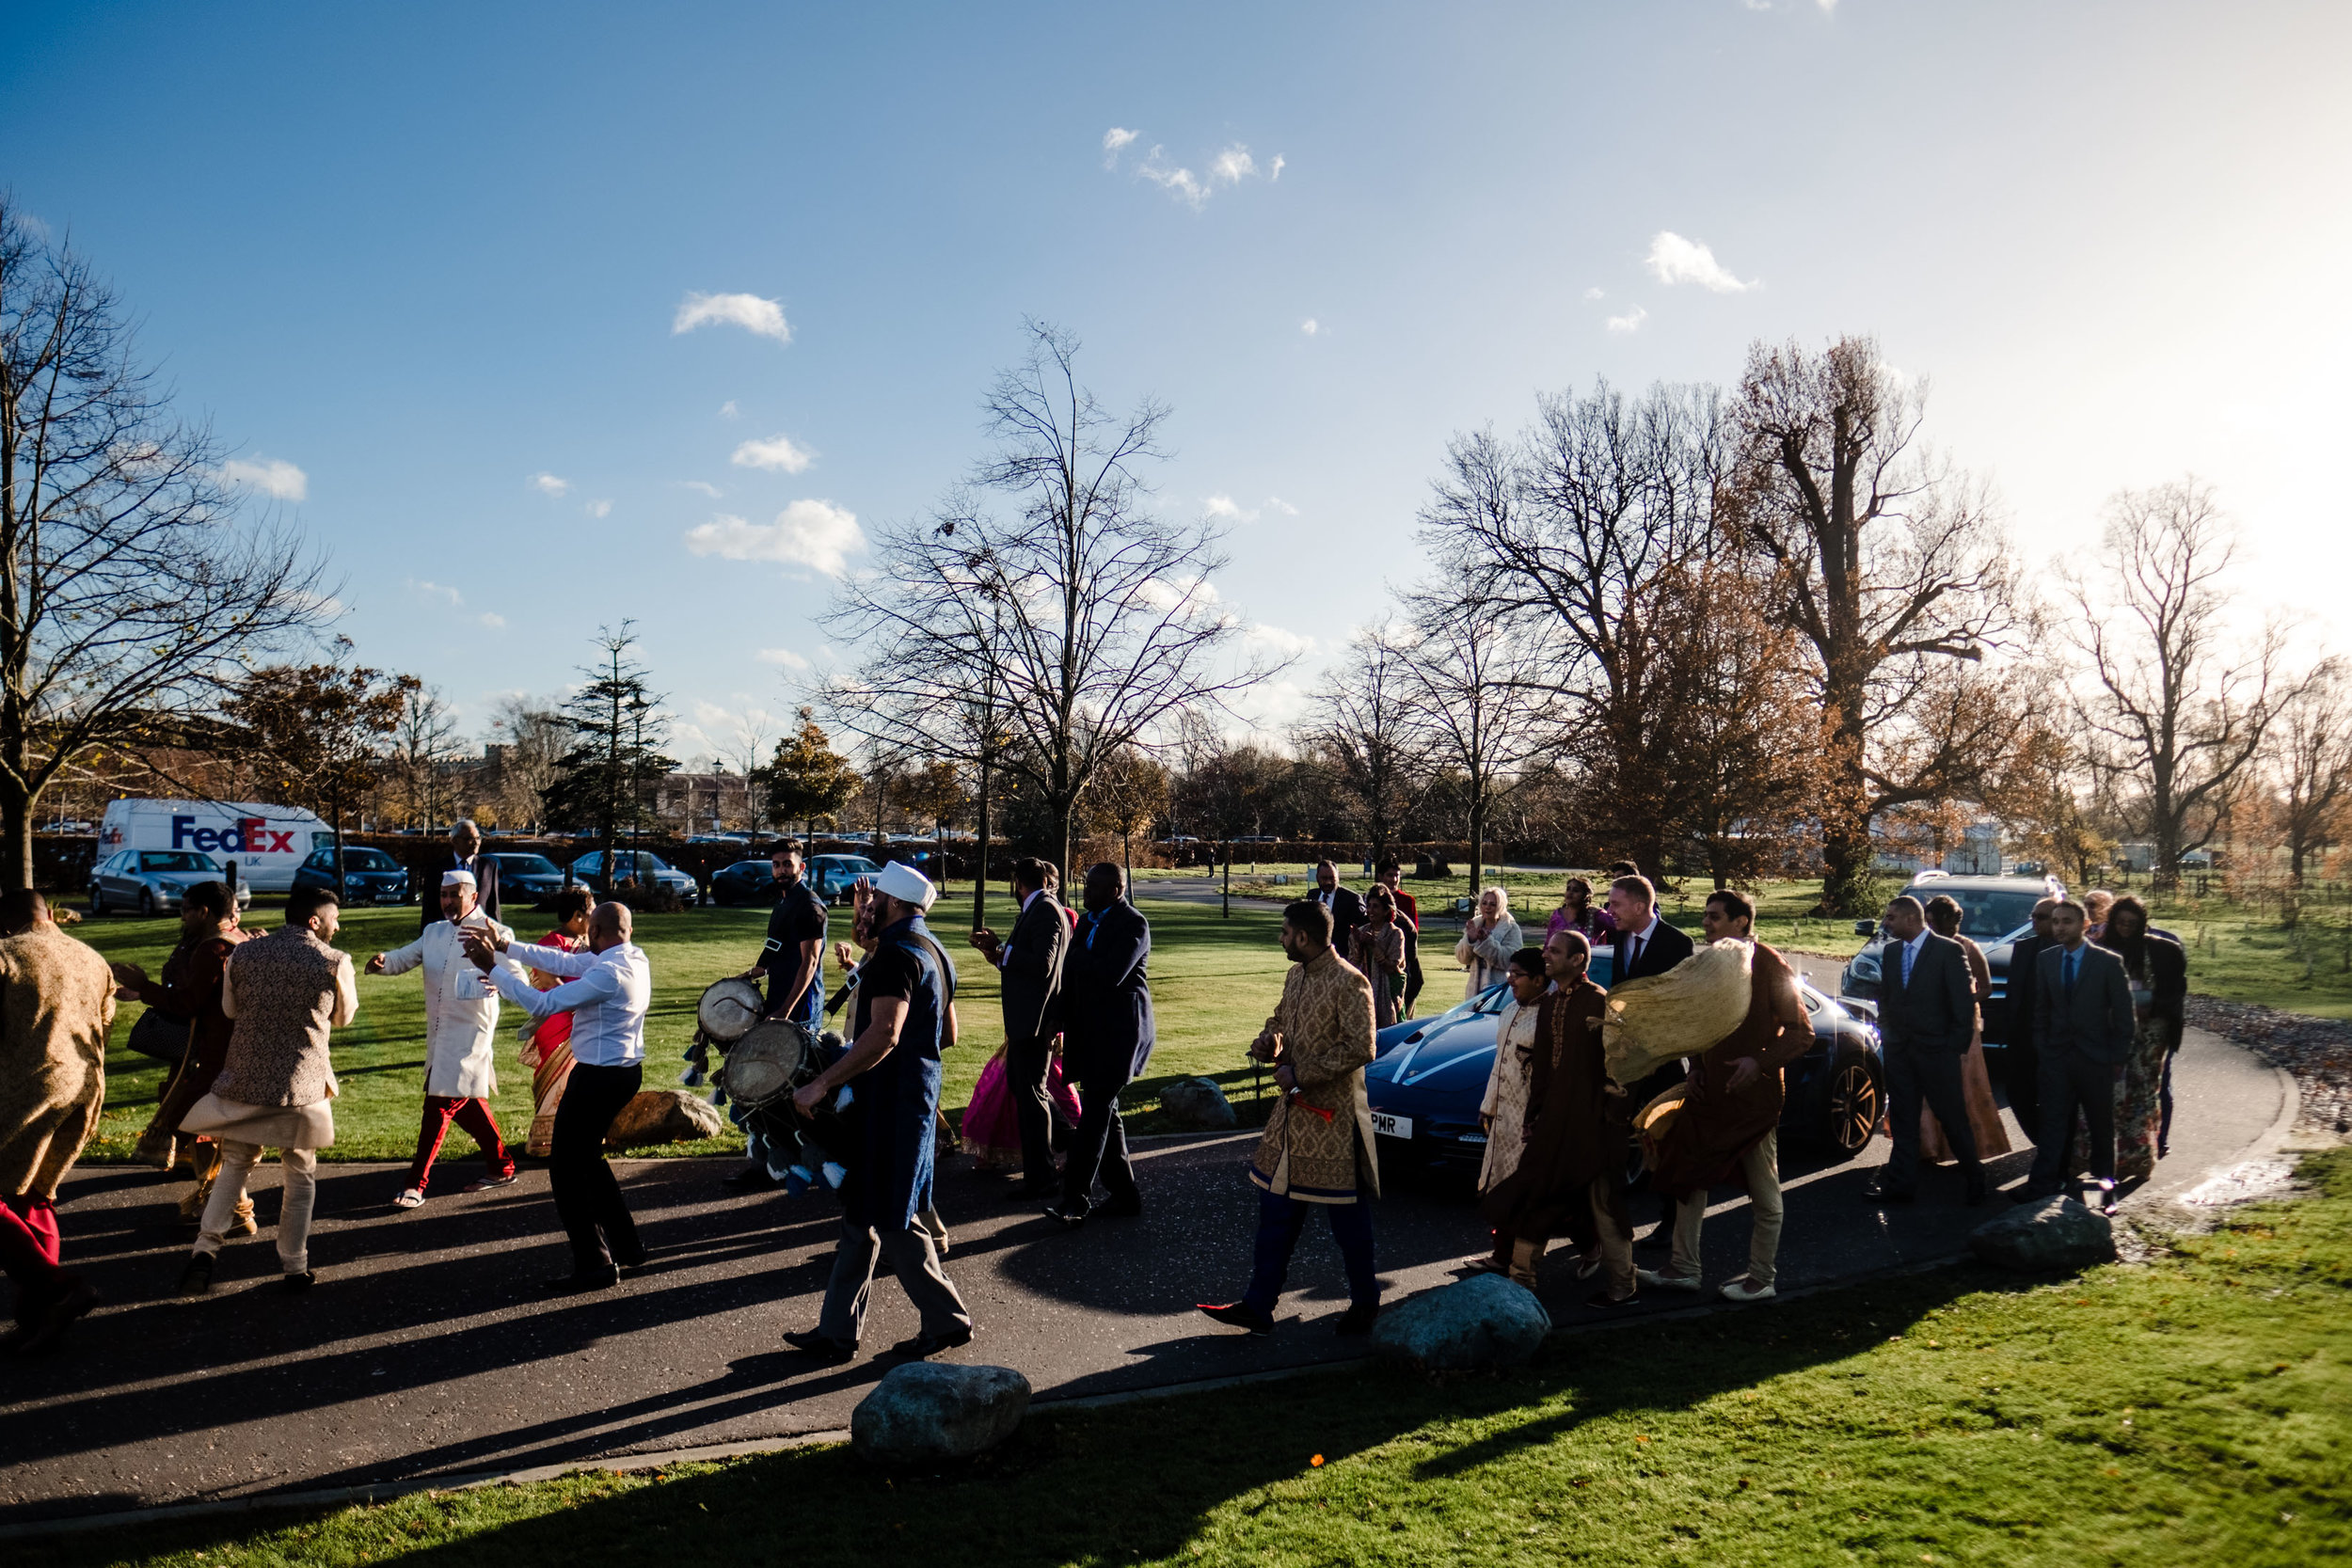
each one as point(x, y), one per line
point(830, 875)
point(1429, 1074)
point(151, 881)
point(743, 882)
point(526, 878)
point(370, 875)
point(643, 864)
point(1996, 912)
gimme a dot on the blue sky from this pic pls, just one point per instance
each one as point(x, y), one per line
point(410, 259)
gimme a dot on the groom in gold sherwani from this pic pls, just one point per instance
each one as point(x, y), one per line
point(1317, 1150)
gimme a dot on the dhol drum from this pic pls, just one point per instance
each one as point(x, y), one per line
point(729, 1009)
point(768, 1063)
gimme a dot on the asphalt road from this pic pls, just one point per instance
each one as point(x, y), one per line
point(425, 1351)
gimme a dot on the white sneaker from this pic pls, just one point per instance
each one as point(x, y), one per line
point(1658, 1281)
point(1744, 1288)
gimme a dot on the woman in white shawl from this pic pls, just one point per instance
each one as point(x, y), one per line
point(1503, 1112)
point(1488, 941)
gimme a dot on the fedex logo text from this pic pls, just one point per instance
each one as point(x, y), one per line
point(246, 835)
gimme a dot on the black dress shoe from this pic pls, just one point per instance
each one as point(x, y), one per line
point(2029, 1195)
point(1126, 1208)
point(750, 1178)
point(582, 1279)
point(1356, 1321)
point(1604, 1300)
point(1068, 1218)
point(822, 1346)
point(197, 1278)
point(1879, 1192)
point(294, 1284)
point(1235, 1314)
point(924, 1345)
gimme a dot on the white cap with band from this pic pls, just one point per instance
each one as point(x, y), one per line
point(458, 878)
point(901, 882)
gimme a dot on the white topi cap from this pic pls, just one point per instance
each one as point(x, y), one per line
point(458, 878)
point(906, 884)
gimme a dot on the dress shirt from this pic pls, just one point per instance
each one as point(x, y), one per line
point(1641, 940)
point(1910, 954)
point(606, 996)
point(1004, 953)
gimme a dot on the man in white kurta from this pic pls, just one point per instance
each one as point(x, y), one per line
point(461, 1033)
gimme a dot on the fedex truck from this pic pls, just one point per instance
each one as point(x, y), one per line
point(266, 843)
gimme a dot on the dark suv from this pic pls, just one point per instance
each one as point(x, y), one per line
point(1995, 912)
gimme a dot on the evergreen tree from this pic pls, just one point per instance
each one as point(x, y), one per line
point(606, 779)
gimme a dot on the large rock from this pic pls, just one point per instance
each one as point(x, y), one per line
point(1481, 1322)
point(2053, 1236)
point(1196, 1102)
point(665, 1116)
point(923, 1412)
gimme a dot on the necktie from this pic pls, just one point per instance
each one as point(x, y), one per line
point(1633, 951)
point(2073, 962)
point(1908, 952)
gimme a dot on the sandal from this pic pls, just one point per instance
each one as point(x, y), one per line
point(410, 1197)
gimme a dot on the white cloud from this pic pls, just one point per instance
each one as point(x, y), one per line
point(491, 620)
point(762, 318)
point(1195, 593)
point(1276, 172)
point(702, 486)
point(273, 476)
point(1275, 640)
point(438, 590)
point(727, 409)
point(598, 509)
point(1311, 326)
point(1225, 509)
point(1114, 141)
point(1229, 167)
point(1179, 183)
point(812, 533)
point(548, 484)
point(1630, 322)
point(777, 451)
point(1595, 292)
point(785, 656)
point(1233, 164)
point(1673, 259)
point(1276, 503)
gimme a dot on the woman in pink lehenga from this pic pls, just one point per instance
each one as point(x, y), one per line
point(1976, 1084)
point(547, 1049)
point(991, 1133)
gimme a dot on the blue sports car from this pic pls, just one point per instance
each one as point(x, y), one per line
point(1430, 1076)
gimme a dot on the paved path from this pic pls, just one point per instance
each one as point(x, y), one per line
point(425, 1350)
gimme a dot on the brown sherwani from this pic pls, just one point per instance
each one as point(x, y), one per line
point(1319, 1149)
point(1703, 1143)
point(56, 1001)
point(1576, 1128)
point(190, 989)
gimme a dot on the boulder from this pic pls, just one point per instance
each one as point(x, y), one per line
point(1481, 1322)
point(665, 1116)
point(2053, 1236)
point(1196, 1103)
point(923, 1412)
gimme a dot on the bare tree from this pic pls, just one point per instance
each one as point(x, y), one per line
point(133, 590)
point(1477, 690)
point(2310, 766)
point(1128, 795)
point(2175, 713)
point(423, 747)
point(1889, 566)
point(315, 734)
point(1366, 729)
point(1081, 622)
point(532, 737)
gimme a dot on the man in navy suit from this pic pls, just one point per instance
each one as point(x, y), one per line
point(1645, 943)
point(2083, 1025)
point(1926, 1021)
point(1107, 1036)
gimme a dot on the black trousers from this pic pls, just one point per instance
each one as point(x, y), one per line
point(1933, 1077)
point(1026, 1063)
point(587, 1195)
point(2022, 1077)
point(1412, 969)
point(2070, 1079)
point(1099, 1146)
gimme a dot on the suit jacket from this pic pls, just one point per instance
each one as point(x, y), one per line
point(1347, 913)
point(485, 880)
point(2097, 1018)
point(1668, 946)
point(1034, 955)
point(2023, 987)
point(1936, 1014)
point(1108, 1029)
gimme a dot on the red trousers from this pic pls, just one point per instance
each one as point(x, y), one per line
point(29, 1252)
point(475, 1118)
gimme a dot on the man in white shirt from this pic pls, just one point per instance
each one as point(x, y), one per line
point(607, 990)
point(461, 1024)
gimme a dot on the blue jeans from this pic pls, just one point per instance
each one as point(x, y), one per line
point(1279, 1221)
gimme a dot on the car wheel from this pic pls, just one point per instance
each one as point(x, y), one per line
point(147, 902)
point(97, 901)
point(1852, 1105)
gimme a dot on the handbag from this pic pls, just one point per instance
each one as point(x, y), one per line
point(161, 1034)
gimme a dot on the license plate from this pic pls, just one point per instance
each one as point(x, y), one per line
point(1391, 1126)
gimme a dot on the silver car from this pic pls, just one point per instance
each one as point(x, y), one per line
point(151, 881)
point(642, 865)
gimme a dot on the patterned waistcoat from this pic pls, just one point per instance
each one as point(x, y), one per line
point(284, 985)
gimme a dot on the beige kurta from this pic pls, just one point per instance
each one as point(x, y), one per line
point(1320, 1149)
point(1507, 1085)
point(57, 1001)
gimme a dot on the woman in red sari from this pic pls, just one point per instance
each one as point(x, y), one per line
point(548, 1046)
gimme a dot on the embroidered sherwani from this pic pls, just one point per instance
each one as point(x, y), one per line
point(460, 1020)
point(1317, 1147)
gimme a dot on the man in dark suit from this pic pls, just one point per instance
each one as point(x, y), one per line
point(1108, 1036)
point(2083, 1026)
point(465, 847)
point(1645, 943)
point(1347, 906)
point(2020, 1059)
point(1031, 963)
point(1926, 1018)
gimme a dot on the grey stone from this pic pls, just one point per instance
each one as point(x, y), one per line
point(665, 1116)
point(1480, 1323)
point(2053, 1236)
point(1196, 1102)
point(923, 1412)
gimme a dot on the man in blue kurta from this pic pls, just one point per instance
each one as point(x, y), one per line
point(904, 995)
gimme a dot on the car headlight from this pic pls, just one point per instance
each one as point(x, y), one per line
point(1865, 966)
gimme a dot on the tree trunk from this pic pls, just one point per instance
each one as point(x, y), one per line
point(16, 826)
point(1227, 913)
point(979, 872)
point(1065, 814)
point(1477, 842)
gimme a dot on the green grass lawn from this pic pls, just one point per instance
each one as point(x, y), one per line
point(2193, 1409)
point(1214, 982)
